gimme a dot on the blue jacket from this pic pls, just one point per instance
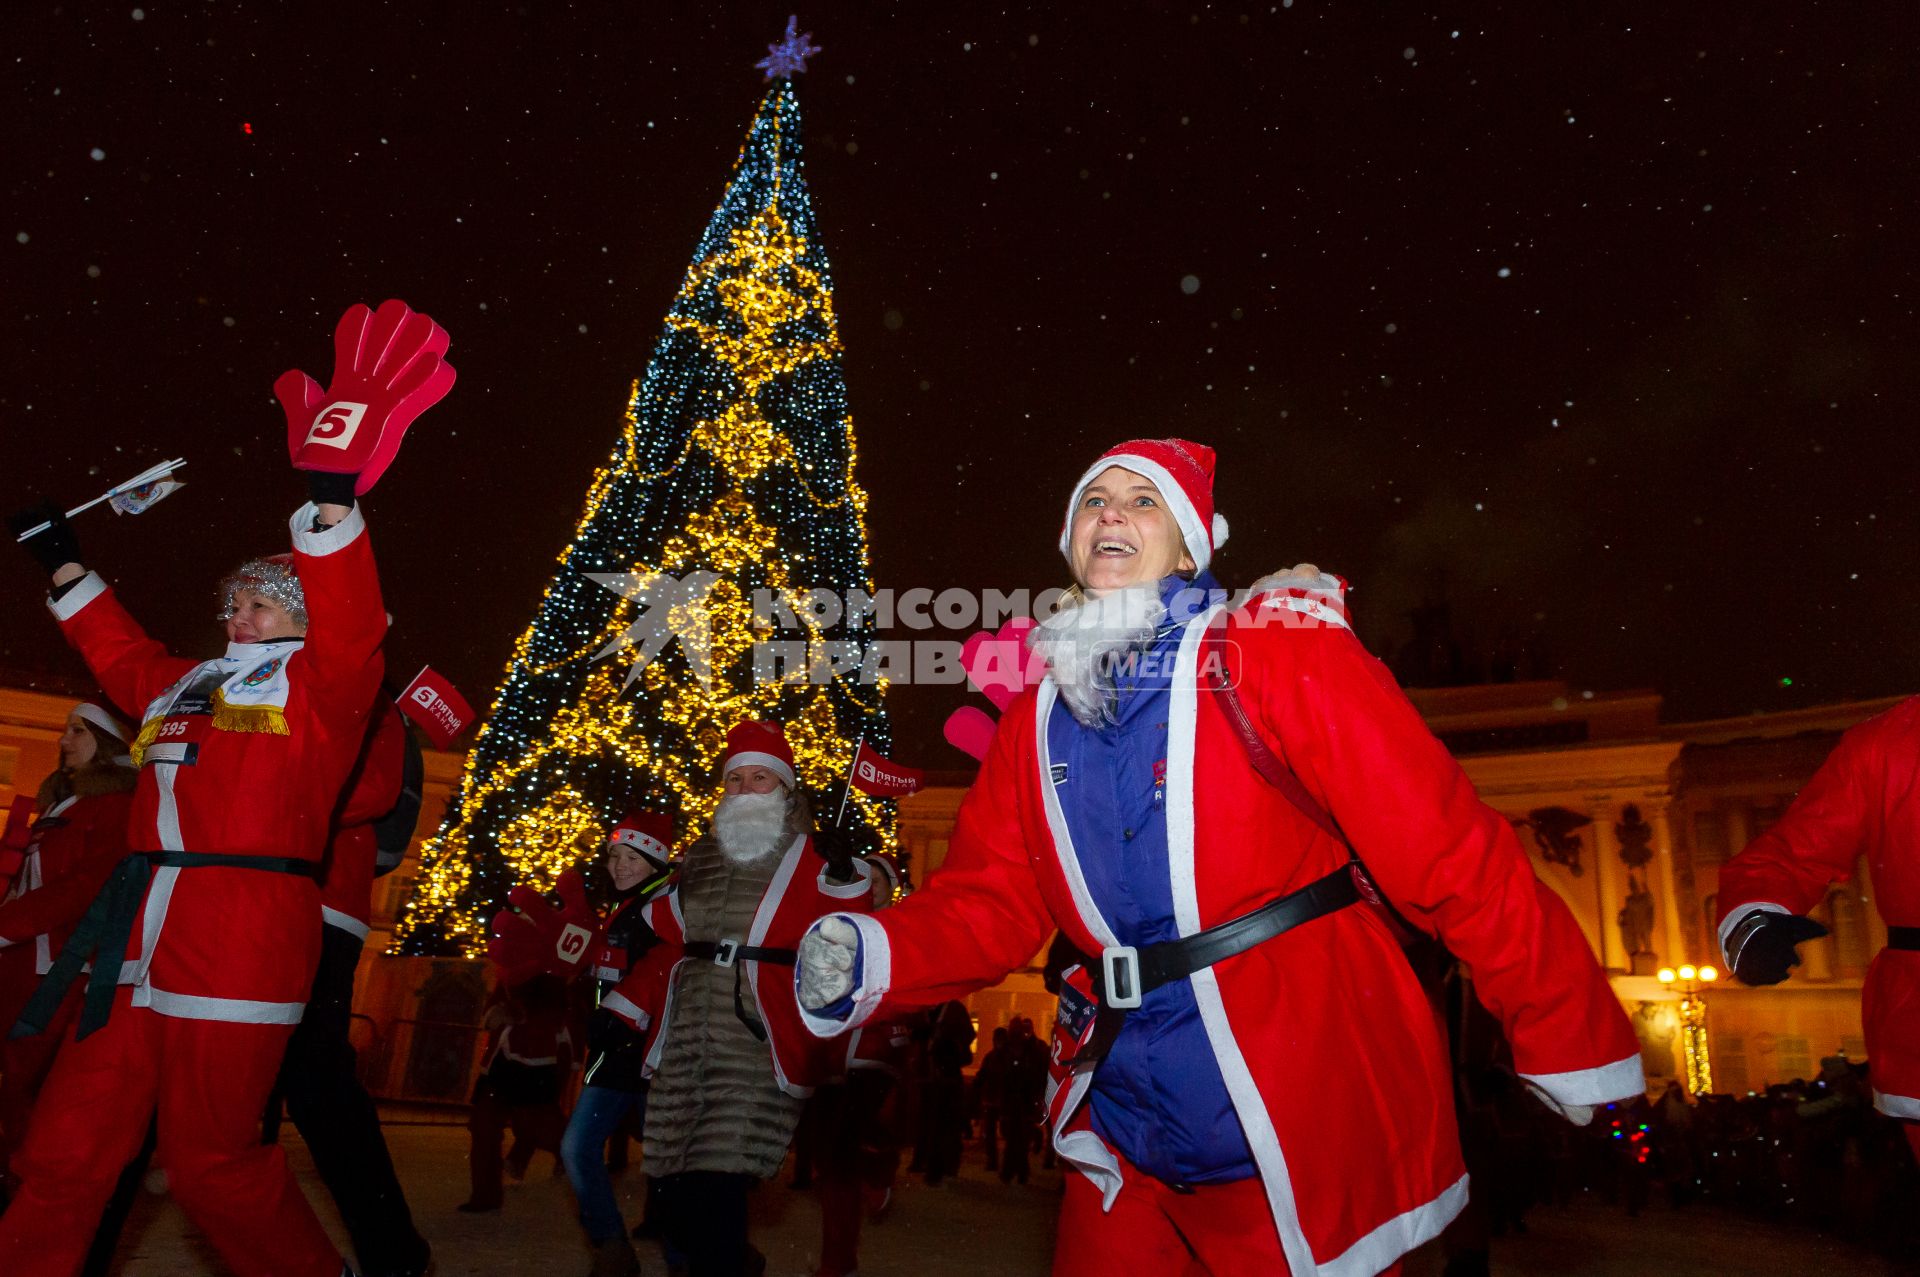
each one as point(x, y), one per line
point(1158, 1098)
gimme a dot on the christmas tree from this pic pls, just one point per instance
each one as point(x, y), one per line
point(732, 483)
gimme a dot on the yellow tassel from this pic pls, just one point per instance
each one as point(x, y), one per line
point(247, 718)
point(148, 730)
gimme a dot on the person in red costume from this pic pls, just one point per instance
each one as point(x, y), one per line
point(202, 944)
point(77, 839)
point(1862, 802)
point(729, 1061)
point(1199, 836)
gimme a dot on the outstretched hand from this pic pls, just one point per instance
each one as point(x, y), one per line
point(837, 850)
point(388, 369)
point(826, 960)
point(540, 933)
point(54, 546)
point(1762, 949)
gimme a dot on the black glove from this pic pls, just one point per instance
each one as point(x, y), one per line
point(1762, 947)
point(837, 850)
point(53, 548)
point(325, 488)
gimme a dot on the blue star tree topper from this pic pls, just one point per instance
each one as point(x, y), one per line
point(789, 57)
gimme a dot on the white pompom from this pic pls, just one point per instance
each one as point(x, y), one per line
point(1219, 530)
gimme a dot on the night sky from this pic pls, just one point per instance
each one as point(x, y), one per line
point(1596, 325)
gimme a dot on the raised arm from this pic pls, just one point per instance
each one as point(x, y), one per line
point(129, 666)
point(1786, 871)
point(347, 619)
point(1438, 851)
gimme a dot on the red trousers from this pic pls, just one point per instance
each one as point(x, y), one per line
point(206, 1081)
point(1225, 1230)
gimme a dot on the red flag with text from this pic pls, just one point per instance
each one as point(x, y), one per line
point(875, 774)
point(437, 706)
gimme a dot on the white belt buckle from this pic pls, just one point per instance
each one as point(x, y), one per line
point(1120, 977)
point(723, 953)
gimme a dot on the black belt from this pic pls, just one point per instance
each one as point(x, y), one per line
point(104, 930)
point(731, 953)
point(724, 953)
point(1128, 974)
point(1903, 937)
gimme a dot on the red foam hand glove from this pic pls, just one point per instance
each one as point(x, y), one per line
point(387, 370)
point(538, 933)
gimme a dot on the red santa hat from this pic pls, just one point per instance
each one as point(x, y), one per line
point(648, 832)
point(1183, 471)
point(757, 743)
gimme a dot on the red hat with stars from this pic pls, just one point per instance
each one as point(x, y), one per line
point(648, 832)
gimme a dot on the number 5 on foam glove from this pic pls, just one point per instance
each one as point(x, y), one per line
point(387, 370)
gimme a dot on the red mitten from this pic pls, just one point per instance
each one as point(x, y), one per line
point(538, 932)
point(387, 370)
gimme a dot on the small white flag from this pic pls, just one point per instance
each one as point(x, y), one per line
point(139, 500)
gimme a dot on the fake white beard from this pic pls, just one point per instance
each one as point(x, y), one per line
point(1074, 641)
point(750, 827)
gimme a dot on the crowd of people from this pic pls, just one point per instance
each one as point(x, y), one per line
point(1234, 824)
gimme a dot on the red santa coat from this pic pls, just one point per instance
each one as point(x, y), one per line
point(76, 844)
point(259, 775)
point(346, 892)
point(798, 896)
point(1328, 1047)
point(1862, 801)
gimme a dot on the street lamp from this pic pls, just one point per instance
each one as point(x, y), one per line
point(1693, 1022)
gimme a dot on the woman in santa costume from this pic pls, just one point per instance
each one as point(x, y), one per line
point(1862, 802)
point(729, 1060)
point(1199, 835)
point(242, 760)
point(202, 944)
point(614, 1088)
point(78, 837)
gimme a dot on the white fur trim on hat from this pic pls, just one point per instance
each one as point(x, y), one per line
point(1192, 531)
point(100, 718)
point(755, 758)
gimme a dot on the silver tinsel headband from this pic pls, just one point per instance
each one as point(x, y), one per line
point(271, 578)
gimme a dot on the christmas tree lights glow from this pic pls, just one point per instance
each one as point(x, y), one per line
point(736, 458)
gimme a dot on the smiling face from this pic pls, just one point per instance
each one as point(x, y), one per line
point(626, 867)
point(77, 745)
point(753, 780)
point(258, 619)
point(1123, 534)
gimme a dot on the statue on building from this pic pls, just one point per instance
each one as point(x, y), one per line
point(1636, 926)
point(1636, 838)
point(1556, 832)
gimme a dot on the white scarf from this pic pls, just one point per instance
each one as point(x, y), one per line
point(1078, 643)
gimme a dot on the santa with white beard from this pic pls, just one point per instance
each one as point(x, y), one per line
point(730, 1061)
point(1252, 1080)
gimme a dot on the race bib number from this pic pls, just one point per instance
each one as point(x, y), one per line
point(177, 740)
